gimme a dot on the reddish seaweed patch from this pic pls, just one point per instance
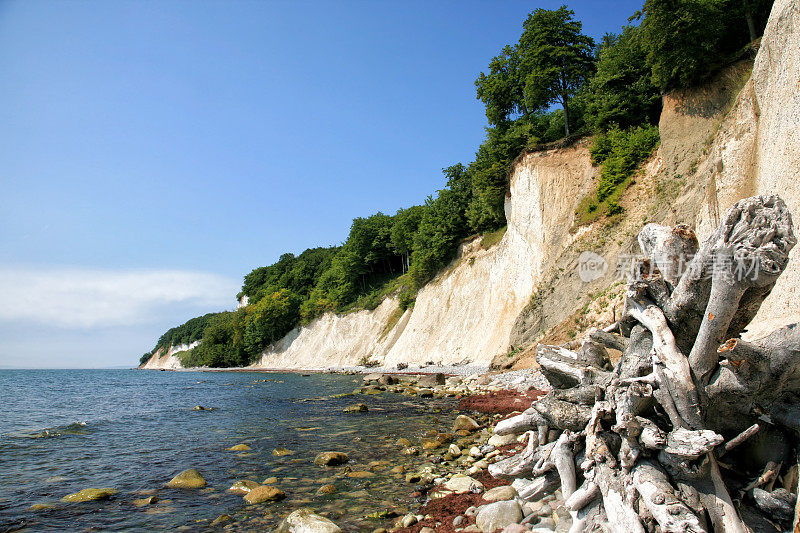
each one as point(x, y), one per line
point(446, 509)
point(499, 402)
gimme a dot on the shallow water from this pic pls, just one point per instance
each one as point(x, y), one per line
point(65, 430)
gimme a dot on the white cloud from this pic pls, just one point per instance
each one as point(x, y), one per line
point(86, 298)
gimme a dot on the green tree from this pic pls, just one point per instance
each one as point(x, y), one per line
point(502, 89)
point(621, 91)
point(270, 319)
point(556, 58)
point(404, 227)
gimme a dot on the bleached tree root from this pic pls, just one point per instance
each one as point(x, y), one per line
point(686, 391)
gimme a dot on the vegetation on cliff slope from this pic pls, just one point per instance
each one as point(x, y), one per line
point(554, 82)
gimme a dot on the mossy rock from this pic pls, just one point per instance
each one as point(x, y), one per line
point(331, 458)
point(143, 502)
point(188, 479)
point(239, 448)
point(357, 408)
point(88, 495)
point(264, 493)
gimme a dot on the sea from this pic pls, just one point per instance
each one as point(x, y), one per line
point(133, 430)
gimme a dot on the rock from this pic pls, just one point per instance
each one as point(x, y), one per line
point(360, 474)
point(472, 528)
point(41, 506)
point(243, 486)
point(427, 530)
point(502, 440)
point(201, 408)
point(372, 377)
point(402, 441)
point(331, 458)
point(408, 520)
point(454, 450)
point(327, 490)
point(357, 408)
point(264, 493)
point(188, 479)
point(88, 495)
point(515, 528)
point(280, 452)
point(305, 521)
point(431, 380)
point(413, 477)
point(239, 448)
point(425, 393)
point(498, 515)
point(457, 521)
point(399, 469)
point(270, 481)
point(428, 444)
point(221, 519)
point(475, 452)
point(465, 423)
point(471, 511)
point(546, 523)
point(142, 502)
point(411, 450)
point(386, 379)
point(460, 484)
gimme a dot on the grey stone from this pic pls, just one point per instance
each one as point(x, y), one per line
point(498, 515)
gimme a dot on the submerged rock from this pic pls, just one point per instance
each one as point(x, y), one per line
point(280, 452)
point(264, 493)
point(243, 486)
point(304, 521)
point(357, 408)
point(88, 495)
point(331, 458)
point(239, 448)
point(327, 490)
point(431, 380)
point(221, 519)
point(188, 479)
point(143, 502)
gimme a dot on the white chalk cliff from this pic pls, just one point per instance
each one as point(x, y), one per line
point(468, 311)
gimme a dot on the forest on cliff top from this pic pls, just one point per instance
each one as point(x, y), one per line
point(554, 84)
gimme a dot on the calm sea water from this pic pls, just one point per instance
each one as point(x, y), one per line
point(65, 430)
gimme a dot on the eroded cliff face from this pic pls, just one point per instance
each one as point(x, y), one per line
point(167, 360)
point(467, 312)
point(756, 150)
point(737, 136)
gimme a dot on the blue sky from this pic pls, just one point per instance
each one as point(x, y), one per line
point(152, 153)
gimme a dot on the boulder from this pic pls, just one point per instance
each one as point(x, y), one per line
point(357, 408)
point(88, 495)
point(460, 484)
point(243, 486)
point(331, 458)
point(270, 481)
point(372, 377)
point(264, 493)
point(239, 448)
point(431, 380)
point(498, 515)
point(465, 423)
point(502, 493)
point(304, 521)
point(188, 479)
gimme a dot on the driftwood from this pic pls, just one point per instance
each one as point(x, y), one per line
point(692, 429)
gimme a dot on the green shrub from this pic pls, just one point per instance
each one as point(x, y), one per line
point(621, 152)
